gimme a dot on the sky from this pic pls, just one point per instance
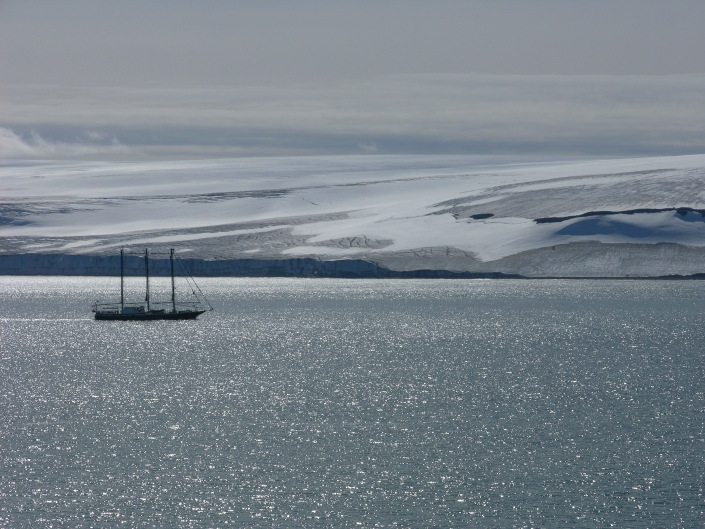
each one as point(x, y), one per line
point(178, 79)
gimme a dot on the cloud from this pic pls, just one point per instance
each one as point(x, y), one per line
point(270, 42)
point(13, 145)
point(422, 113)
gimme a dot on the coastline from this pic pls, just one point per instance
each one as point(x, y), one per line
point(99, 265)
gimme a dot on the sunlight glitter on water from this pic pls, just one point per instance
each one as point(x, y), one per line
point(331, 403)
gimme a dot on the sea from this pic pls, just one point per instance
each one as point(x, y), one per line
point(335, 403)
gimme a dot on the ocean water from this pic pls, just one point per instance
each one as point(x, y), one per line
point(356, 403)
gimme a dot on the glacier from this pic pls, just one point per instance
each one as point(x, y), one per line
point(360, 216)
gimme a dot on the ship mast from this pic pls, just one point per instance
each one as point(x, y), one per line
point(122, 281)
point(173, 290)
point(146, 275)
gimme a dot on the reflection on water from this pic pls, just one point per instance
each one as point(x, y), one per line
point(336, 403)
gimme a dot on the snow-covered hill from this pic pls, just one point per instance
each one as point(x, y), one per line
point(520, 216)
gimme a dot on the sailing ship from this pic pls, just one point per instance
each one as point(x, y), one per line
point(148, 310)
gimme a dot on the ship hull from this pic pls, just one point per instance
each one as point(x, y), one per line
point(149, 316)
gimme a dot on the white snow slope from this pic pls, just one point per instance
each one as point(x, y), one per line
point(455, 213)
